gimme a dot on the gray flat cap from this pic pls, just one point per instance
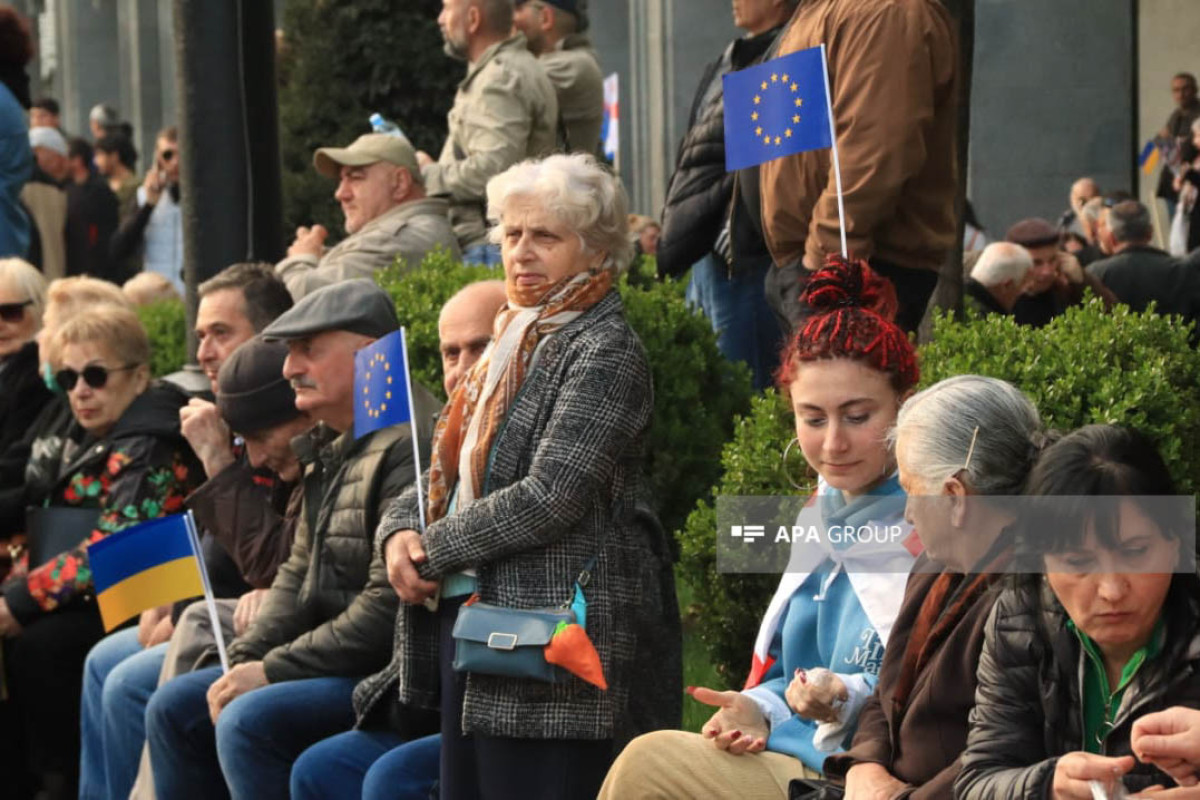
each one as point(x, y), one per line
point(358, 306)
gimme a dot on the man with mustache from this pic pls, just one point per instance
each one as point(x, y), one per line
point(387, 211)
point(327, 619)
point(505, 111)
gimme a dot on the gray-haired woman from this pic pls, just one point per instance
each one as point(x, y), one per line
point(22, 391)
point(959, 440)
point(535, 473)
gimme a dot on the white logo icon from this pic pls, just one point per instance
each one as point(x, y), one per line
point(748, 532)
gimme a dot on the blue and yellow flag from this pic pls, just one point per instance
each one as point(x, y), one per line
point(776, 109)
point(381, 389)
point(1148, 159)
point(145, 566)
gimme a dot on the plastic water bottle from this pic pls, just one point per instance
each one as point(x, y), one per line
point(381, 125)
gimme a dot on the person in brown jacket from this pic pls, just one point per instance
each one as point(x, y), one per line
point(893, 74)
point(967, 436)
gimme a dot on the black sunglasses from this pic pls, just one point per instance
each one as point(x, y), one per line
point(93, 375)
point(13, 312)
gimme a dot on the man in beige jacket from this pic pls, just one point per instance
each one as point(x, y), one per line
point(554, 32)
point(387, 212)
point(505, 111)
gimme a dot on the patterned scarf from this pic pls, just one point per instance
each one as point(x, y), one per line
point(468, 425)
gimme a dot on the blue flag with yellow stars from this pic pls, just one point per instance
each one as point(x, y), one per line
point(776, 109)
point(382, 394)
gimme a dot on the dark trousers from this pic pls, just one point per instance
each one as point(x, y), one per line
point(914, 287)
point(43, 671)
point(495, 768)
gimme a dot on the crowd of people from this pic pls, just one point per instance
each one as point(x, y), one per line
point(350, 580)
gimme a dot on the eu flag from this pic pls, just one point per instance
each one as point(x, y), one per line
point(382, 393)
point(145, 566)
point(776, 109)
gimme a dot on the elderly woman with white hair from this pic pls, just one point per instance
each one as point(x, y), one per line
point(22, 390)
point(960, 444)
point(533, 503)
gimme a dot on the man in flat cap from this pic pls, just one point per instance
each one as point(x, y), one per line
point(554, 33)
point(505, 111)
point(1056, 280)
point(328, 618)
point(388, 214)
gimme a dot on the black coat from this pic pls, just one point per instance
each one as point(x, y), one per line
point(1028, 710)
point(1140, 275)
point(699, 194)
point(23, 395)
point(92, 212)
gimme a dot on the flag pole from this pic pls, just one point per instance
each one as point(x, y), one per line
point(218, 635)
point(837, 169)
point(412, 415)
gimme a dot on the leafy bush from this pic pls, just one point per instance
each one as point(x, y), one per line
point(166, 325)
point(343, 60)
point(1085, 367)
point(697, 392)
point(727, 608)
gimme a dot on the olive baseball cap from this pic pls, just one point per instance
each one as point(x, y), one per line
point(370, 148)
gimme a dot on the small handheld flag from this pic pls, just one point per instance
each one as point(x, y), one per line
point(1148, 159)
point(383, 394)
point(610, 132)
point(780, 108)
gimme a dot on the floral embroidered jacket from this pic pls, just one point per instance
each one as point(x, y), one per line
point(143, 469)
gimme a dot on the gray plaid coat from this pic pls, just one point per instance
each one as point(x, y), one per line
point(563, 485)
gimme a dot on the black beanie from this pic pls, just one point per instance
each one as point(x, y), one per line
point(252, 394)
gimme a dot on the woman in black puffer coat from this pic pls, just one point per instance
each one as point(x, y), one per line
point(1110, 633)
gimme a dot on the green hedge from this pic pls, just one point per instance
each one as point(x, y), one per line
point(166, 325)
point(697, 392)
point(1086, 366)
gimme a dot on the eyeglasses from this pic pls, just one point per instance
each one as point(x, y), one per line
point(13, 312)
point(93, 375)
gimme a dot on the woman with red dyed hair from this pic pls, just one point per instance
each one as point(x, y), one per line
point(820, 646)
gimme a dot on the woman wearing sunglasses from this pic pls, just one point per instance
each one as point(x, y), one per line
point(22, 392)
point(1072, 658)
point(126, 459)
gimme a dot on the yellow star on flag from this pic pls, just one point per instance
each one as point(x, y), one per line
point(778, 141)
point(799, 102)
point(774, 78)
point(758, 100)
point(785, 77)
point(795, 87)
point(754, 116)
point(796, 119)
point(788, 133)
point(764, 85)
point(766, 140)
point(758, 131)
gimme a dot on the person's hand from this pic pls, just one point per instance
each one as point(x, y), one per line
point(1069, 266)
point(247, 609)
point(1170, 740)
point(239, 680)
point(738, 726)
point(9, 627)
point(202, 426)
point(162, 631)
point(309, 242)
point(402, 553)
point(816, 694)
point(148, 621)
point(424, 159)
point(1163, 793)
point(870, 781)
point(152, 186)
point(1074, 770)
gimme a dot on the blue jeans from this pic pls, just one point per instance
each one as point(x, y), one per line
point(737, 307)
point(485, 255)
point(373, 765)
point(118, 678)
point(255, 740)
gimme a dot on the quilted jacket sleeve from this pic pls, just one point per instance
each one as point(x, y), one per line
point(1005, 757)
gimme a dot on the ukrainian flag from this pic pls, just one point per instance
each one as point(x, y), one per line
point(1148, 159)
point(145, 566)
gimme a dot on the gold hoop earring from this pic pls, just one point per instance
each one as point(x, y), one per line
point(783, 465)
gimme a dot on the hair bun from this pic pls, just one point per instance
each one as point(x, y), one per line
point(842, 283)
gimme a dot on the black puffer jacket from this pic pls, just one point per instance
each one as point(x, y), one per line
point(1028, 710)
point(700, 190)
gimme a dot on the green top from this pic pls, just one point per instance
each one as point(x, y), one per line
point(1100, 703)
